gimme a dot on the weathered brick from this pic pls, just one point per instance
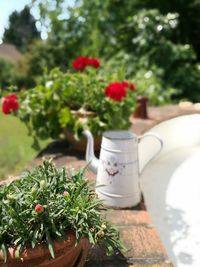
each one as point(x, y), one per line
point(140, 238)
point(142, 243)
point(128, 217)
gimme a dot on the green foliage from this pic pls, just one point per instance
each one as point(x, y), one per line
point(43, 56)
point(64, 101)
point(146, 40)
point(187, 31)
point(156, 63)
point(67, 203)
point(150, 84)
point(7, 73)
point(149, 81)
point(13, 74)
point(176, 63)
point(21, 30)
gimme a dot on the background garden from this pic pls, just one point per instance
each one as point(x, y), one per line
point(154, 43)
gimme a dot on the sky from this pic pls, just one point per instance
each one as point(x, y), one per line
point(8, 6)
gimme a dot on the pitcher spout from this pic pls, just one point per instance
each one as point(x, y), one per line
point(92, 161)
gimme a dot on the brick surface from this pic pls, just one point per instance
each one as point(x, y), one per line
point(127, 217)
point(171, 111)
point(163, 264)
point(142, 243)
point(143, 246)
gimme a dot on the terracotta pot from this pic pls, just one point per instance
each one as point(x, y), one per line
point(67, 254)
point(80, 145)
point(141, 108)
point(83, 113)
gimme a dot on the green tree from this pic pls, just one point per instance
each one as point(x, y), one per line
point(7, 73)
point(189, 19)
point(13, 74)
point(42, 56)
point(158, 64)
point(98, 26)
point(21, 30)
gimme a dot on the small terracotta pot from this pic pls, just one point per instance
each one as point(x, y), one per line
point(67, 254)
point(141, 108)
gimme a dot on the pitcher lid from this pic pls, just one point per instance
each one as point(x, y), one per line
point(119, 135)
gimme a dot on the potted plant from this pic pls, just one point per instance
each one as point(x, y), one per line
point(85, 97)
point(49, 216)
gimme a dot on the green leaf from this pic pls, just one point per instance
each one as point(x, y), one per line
point(64, 116)
point(91, 239)
point(35, 236)
point(109, 250)
point(17, 240)
point(5, 252)
point(50, 244)
point(17, 251)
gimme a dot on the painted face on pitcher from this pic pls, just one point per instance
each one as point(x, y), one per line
point(112, 168)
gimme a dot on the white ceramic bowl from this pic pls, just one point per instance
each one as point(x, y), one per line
point(171, 187)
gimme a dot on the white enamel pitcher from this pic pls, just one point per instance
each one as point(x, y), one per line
point(117, 169)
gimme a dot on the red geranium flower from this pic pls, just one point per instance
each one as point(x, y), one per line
point(131, 86)
point(39, 208)
point(94, 62)
point(10, 103)
point(116, 91)
point(80, 63)
point(125, 84)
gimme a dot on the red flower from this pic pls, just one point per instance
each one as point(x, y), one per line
point(131, 86)
point(80, 63)
point(116, 91)
point(39, 208)
point(94, 62)
point(10, 103)
point(125, 84)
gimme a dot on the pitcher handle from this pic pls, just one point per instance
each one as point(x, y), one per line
point(158, 139)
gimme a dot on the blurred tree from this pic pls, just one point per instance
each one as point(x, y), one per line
point(13, 74)
point(152, 46)
point(96, 26)
point(42, 56)
point(7, 73)
point(21, 30)
point(160, 65)
point(189, 19)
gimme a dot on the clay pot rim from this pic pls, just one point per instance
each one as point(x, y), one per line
point(41, 250)
point(83, 113)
